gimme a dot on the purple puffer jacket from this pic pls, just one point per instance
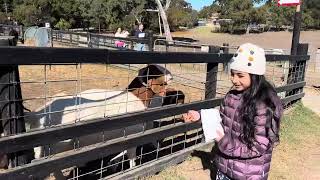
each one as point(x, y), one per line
point(234, 158)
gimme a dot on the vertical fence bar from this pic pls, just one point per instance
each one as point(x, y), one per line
point(302, 50)
point(88, 39)
point(51, 34)
point(60, 33)
point(21, 31)
point(71, 38)
point(211, 78)
point(167, 45)
point(78, 39)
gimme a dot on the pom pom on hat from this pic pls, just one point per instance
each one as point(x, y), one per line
point(249, 58)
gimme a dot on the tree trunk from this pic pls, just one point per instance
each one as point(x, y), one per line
point(248, 29)
point(164, 21)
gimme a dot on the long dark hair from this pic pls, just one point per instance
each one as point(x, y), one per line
point(260, 91)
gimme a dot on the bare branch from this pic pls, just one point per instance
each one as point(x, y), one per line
point(168, 2)
point(164, 20)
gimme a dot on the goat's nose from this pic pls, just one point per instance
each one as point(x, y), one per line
point(162, 92)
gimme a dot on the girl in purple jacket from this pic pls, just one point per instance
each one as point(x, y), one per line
point(251, 114)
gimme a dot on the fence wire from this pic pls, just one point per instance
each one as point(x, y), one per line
point(66, 94)
point(56, 95)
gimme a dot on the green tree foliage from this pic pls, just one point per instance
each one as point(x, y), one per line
point(279, 16)
point(3, 17)
point(105, 14)
point(311, 13)
point(207, 11)
point(111, 14)
point(63, 24)
point(244, 13)
point(27, 14)
point(180, 13)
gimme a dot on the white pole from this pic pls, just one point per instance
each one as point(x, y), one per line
point(160, 27)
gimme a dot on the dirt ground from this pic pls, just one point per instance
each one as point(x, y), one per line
point(267, 40)
point(280, 40)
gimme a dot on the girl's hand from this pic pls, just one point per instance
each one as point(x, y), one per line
point(191, 116)
point(220, 134)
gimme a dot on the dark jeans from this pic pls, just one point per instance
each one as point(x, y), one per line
point(221, 176)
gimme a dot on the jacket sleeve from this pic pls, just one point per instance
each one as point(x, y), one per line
point(232, 146)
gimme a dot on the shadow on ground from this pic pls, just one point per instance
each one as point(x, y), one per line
point(207, 160)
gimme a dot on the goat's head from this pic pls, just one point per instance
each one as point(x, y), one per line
point(153, 77)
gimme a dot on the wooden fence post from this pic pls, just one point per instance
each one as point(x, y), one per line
point(131, 45)
point(211, 78)
point(297, 69)
point(12, 116)
point(225, 50)
point(151, 41)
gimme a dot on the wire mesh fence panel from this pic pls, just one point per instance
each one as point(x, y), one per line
point(96, 120)
point(313, 69)
point(67, 94)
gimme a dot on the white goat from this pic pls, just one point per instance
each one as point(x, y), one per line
point(87, 105)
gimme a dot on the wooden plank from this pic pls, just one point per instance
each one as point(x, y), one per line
point(43, 55)
point(211, 77)
point(274, 57)
point(93, 152)
point(63, 132)
point(291, 86)
point(291, 98)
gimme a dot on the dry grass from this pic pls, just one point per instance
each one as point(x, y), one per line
point(278, 40)
point(69, 79)
point(72, 79)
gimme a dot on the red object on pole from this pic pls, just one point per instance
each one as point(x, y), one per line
point(289, 2)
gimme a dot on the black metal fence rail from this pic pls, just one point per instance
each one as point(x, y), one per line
point(35, 55)
point(13, 56)
point(87, 39)
point(5, 29)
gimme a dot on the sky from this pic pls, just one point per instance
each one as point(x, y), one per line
point(198, 4)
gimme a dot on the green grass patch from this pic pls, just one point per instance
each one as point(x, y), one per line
point(203, 30)
point(299, 124)
point(295, 157)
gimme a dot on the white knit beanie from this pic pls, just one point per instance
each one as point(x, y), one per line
point(249, 58)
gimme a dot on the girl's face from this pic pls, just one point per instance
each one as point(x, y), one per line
point(240, 80)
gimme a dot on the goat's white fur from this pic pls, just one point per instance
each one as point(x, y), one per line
point(87, 105)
